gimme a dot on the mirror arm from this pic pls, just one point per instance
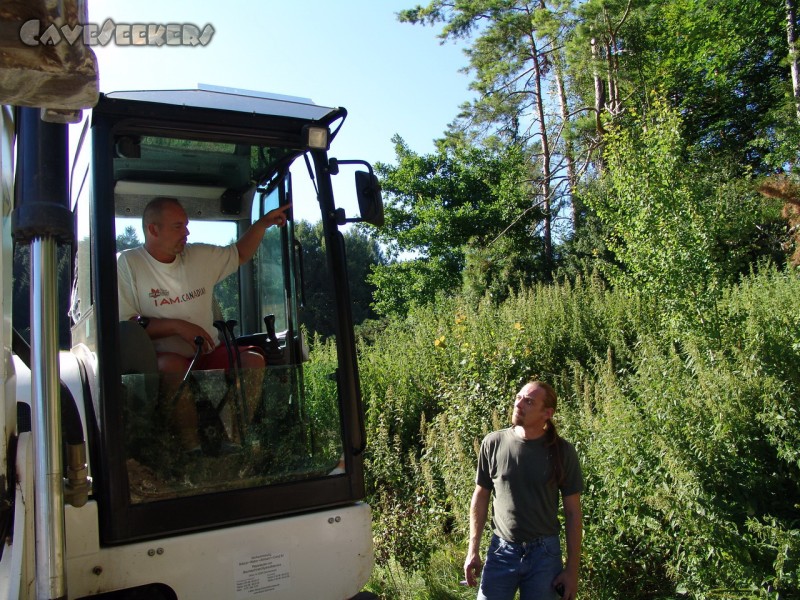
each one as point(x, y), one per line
point(341, 219)
point(335, 162)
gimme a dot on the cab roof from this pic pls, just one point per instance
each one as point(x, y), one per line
point(236, 100)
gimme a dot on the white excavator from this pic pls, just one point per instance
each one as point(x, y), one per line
point(99, 498)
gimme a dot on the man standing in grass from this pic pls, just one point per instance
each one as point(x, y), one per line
point(527, 466)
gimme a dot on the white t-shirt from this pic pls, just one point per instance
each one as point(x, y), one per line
point(182, 289)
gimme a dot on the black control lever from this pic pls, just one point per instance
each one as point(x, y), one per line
point(230, 326)
point(198, 342)
point(272, 345)
point(222, 327)
point(269, 323)
point(226, 331)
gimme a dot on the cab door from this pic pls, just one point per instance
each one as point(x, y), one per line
point(285, 436)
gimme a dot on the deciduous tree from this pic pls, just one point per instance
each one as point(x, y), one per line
point(679, 228)
point(440, 204)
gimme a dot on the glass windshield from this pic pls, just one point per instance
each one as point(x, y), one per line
point(270, 413)
point(213, 436)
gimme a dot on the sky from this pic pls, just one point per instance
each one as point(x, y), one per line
point(392, 77)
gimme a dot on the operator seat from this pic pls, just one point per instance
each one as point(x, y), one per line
point(139, 390)
point(138, 356)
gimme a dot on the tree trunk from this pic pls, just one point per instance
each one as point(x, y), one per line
point(611, 68)
point(546, 175)
point(599, 88)
point(791, 36)
point(569, 147)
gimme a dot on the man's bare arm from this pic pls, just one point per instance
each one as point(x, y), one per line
point(248, 243)
point(160, 328)
point(574, 530)
point(478, 513)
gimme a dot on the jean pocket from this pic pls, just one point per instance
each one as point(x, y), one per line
point(552, 547)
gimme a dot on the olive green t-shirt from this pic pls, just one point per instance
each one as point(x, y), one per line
point(525, 505)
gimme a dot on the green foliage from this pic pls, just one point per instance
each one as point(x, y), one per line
point(498, 270)
point(725, 72)
point(442, 206)
point(720, 65)
point(403, 284)
point(438, 202)
point(321, 398)
point(585, 253)
point(363, 254)
point(437, 580)
point(128, 239)
point(695, 471)
point(679, 383)
point(688, 439)
point(440, 379)
point(680, 230)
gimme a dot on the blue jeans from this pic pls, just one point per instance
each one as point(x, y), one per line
point(529, 567)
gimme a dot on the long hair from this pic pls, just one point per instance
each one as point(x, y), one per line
point(552, 439)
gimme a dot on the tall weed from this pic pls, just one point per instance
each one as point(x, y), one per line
point(689, 439)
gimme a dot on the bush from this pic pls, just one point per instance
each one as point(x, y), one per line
point(689, 439)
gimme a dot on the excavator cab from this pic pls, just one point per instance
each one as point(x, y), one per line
point(269, 488)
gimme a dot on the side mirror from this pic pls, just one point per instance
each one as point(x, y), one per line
point(368, 192)
point(370, 203)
